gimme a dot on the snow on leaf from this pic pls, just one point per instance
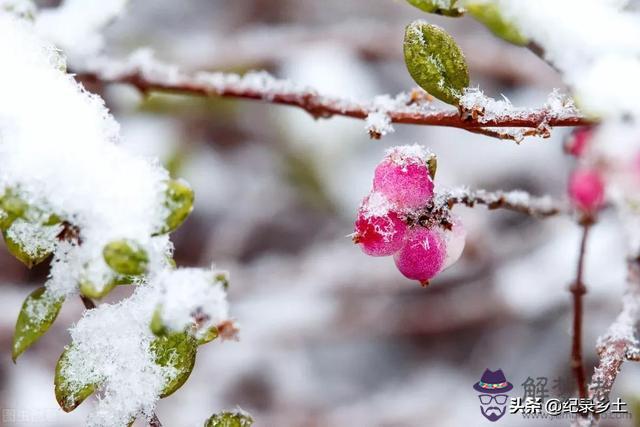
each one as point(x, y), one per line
point(69, 393)
point(438, 7)
point(38, 313)
point(176, 351)
point(435, 61)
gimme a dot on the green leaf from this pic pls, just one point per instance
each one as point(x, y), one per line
point(489, 14)
point(439, 7)
point(38, 313)
point(11, 208)
point(229, 419)
point(435, 62)
point(126, 257)
point(432, 165)
point(179, 202)
point(90, 290)
point(176, 350)
point(157, 325)
point(179, 199)
point(69, 394)
point(208, 336)
point(29, 257)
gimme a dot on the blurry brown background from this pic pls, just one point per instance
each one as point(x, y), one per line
point(331, 337)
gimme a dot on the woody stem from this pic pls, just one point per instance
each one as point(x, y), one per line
point(578, 289)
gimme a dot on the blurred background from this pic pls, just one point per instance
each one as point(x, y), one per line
point(329, 336)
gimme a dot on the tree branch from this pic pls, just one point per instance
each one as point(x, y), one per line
point(149, 75)
point(154, 421)
point(88, 302)
point(578, 289)
point(439, 210)
point(618, 344)
point(517, 201)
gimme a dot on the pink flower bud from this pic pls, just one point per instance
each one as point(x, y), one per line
point(423, 254)
point(403, 177)
point(578, 141)
point(378, 230)
point(586, 190)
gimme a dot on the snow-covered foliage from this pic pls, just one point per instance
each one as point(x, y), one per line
point(69, 190)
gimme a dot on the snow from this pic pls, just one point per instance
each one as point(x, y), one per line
point(594, 43)
point(409, 154)
point(75, 25)
point(110, 344)
point(486, 109)
point(60, 153)
point(34, 239)
point(191, 290)
point(111, 347)
point(70, 162)
point(375, 205)
point(378, 123)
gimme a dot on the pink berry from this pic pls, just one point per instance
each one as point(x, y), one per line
point(403, 177)
point(586, 190)
point(378, 231)
point(454, 241)
point(422, 256)
point(578, 141)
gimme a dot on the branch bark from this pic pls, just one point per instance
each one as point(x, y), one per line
point(517, 201)
point(148, 75)
point(618, 344)
point(578, 289)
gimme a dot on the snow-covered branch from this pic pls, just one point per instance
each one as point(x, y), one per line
point(517, 201)
point(618, 344)
point(147, 74)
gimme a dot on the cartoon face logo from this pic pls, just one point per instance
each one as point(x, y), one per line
point(493, 388)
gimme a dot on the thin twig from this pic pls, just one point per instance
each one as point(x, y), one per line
point(578, 289)
point(148, 75)
point(438, 211)
point(154, 421)
point(517, 201)
point(88, 302)
point(618, 344)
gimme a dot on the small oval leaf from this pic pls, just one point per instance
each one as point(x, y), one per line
point(126, 257)
point(229, 419)
point(435, 61)
point(179, 198)
point(177, 350)
point(90, 290)
point(439, 7)
point(68, 393)
point(29, 256)
point(488, 13)
point(11, 207)
point(38, 313)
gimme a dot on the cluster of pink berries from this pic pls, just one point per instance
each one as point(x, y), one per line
point(586, 185)
point(402, 188)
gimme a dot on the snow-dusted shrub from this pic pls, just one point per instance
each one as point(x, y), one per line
point(103, 216)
